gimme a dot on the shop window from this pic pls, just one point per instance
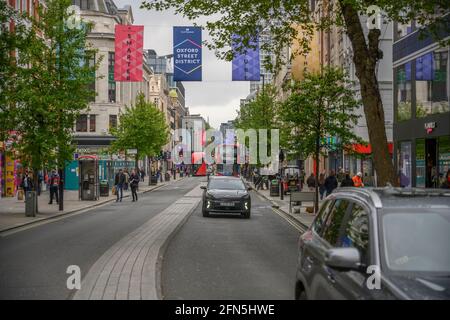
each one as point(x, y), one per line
point(420, 163)
point(431, 84)
point(404, 163)
point(82, 123)
point(444, 157)
point(403, 91)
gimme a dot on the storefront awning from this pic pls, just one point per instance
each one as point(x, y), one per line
point(362, 149)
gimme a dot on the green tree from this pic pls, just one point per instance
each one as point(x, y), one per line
point(281, 18)
point(142, 127)
point(259, 113)
point(51, 88)
point(319, 108)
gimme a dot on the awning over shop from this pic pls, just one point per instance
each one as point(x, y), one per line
point(362, 149)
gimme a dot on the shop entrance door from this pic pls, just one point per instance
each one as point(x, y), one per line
point(431, 163)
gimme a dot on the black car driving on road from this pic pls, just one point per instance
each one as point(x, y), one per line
point(384, 243)
point(226, 194)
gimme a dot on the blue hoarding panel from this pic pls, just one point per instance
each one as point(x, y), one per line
point(187, 53)
point(246, 64)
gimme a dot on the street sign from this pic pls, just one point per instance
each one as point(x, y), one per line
point(132, 151)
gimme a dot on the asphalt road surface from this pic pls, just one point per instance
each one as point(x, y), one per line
point(33, 262)
point(227, 257)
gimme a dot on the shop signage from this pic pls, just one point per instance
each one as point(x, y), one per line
point(430, 126)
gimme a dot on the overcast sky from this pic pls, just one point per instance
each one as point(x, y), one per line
point(216, 97)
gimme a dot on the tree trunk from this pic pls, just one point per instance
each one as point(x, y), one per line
point(317, 162)
point(137, 163)
point(365, 57)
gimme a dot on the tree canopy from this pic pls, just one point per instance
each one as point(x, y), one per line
point(141, 127)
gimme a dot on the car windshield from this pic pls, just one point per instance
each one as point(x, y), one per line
point(417, 241)
point(226, 184)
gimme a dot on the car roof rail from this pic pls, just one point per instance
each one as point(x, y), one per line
point(367, 193)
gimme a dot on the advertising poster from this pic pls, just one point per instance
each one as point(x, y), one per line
point(129, 57)
point(187, 53)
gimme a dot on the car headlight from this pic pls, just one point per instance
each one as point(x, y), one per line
point(246, 205)
point(208, 204)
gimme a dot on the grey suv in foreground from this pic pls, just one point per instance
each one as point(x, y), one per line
point(384, 243)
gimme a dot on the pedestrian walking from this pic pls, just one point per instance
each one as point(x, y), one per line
point(340, 175)
point(142, 173)
point(54, 187)
point(119, 182)
point(321, 185)
point(311, 182)
point(127, 179)
point(134, 183)
point(26, 184)
point(347, 182)
point(160, 174)
point(446, 183)
point(357, 180)
point(331, 183)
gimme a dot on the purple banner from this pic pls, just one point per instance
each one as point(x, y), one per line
point(246, 65)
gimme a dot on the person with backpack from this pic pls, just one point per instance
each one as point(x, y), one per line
point(134, 183)
point(311, 182)
point(26, 184)
point(127, 179)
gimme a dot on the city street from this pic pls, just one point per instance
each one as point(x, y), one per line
point(220, 257)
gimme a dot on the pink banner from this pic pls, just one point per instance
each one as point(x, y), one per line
point(129, 53)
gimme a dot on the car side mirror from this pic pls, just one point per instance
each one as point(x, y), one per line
point(203, 187)
point(343, 258)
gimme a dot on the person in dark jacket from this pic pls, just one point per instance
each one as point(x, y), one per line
point(347, 182)
point(134, 183)
point(311, 182)
point(26, 184)
point(119, 182)
point(54, 187)
point(331, 183)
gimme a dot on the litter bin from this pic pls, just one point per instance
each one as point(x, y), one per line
point(274, 188)
point(153, 180)
point(104, 188)
point(167, 176)
point(30, 204)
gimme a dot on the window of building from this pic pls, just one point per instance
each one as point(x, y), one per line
point(404, 163)
point(91, 63)
point(112, 92)
point(420, 163)
point(431, 84)
point(111, 83)
point(444, 157)
point(82, 123)
point(24, 6)
point(92, 123)
point(112, 121)
point(403, 91)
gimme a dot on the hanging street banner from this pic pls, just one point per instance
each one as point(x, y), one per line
point(129, 53)
point(187, 53)
point(246, 65)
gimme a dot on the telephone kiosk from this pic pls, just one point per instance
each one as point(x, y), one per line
point(89, 178)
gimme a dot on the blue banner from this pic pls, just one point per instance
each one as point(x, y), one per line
point(187, 53)
point(246, 64)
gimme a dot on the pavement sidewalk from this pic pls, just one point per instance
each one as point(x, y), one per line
point(298, 213)
point(12, 211)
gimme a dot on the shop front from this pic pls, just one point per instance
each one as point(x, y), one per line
point(423, 158)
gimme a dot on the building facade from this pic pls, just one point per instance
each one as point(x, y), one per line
point(422, 109)
point(92, 129)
